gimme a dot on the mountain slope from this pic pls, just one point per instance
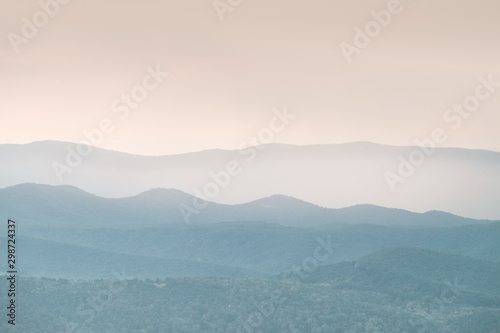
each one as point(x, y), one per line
point(271, 248)
point(383, 294)
point(43, 258)
point(412, 272)
point(333, 176)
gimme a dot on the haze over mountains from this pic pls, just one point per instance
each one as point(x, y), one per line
point(367, 267)
point(459, 181)
point(208, 197)
point(147, 236)
point(230, 249)
point(69, 207)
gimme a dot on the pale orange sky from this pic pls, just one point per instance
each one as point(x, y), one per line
point(227, 76)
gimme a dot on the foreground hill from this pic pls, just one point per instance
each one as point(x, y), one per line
point(377, 295)
point(406, 272)
point(340, 175)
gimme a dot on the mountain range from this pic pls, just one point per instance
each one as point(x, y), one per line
point(67, 206)
point(146, 234)
point(460, 181)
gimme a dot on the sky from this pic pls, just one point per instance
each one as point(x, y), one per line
point(229, 67)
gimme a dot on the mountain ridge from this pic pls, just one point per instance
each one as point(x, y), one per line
point(330, 175)
point(69, 206)
point(352, 143)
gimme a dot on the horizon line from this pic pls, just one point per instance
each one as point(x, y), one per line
point(236, 149)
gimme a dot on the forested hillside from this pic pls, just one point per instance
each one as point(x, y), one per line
point(397, 290)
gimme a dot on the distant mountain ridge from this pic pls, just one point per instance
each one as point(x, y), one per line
point(464, 182)
point(67, 206)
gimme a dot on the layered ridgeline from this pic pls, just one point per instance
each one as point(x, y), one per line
point(276, 264)
point(65, 232)
point(460, 181)
point(66, 206)
point(230, 249)
point(395, 290)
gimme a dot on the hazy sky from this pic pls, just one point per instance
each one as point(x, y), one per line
point(227, 76)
